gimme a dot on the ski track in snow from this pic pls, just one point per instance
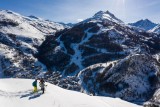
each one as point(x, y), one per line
point(15, 94)
point(61, 44)
point(77, 58)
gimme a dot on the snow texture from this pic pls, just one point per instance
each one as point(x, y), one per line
point(18, 93)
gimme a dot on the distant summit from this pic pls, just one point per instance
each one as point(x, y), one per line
point(144, 24)
point(102, 15)
point(68, 25)
point(33, 17)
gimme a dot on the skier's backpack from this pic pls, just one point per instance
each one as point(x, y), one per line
point(34, 83)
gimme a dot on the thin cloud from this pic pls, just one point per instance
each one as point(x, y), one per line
point(79, 20)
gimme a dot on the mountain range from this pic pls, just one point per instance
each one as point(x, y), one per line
point(98, 56)
point(144, 24)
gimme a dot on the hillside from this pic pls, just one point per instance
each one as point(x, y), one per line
point(20, 36)
point(134, 78)
point(18, 92)
point(156, 29)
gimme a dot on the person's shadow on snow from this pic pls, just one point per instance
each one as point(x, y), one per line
point(31, 95)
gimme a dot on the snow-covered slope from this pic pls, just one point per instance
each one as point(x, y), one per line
point(144, 24)
point(18, 93)
point(27, 27)
point(154, 101)
point(15, 23)
point(19, 38)
point(134, 78)
point(156, 29)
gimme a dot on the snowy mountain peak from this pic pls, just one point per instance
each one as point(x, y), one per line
point(147, 20)
point(103, 15)
point(9, 12)
point(145, 24)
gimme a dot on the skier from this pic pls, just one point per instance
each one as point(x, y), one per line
point(42, 85)
point(35, 85)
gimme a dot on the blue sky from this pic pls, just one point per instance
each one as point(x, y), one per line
point(74, 10)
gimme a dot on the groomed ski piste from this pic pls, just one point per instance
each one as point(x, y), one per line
point(19, 93)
